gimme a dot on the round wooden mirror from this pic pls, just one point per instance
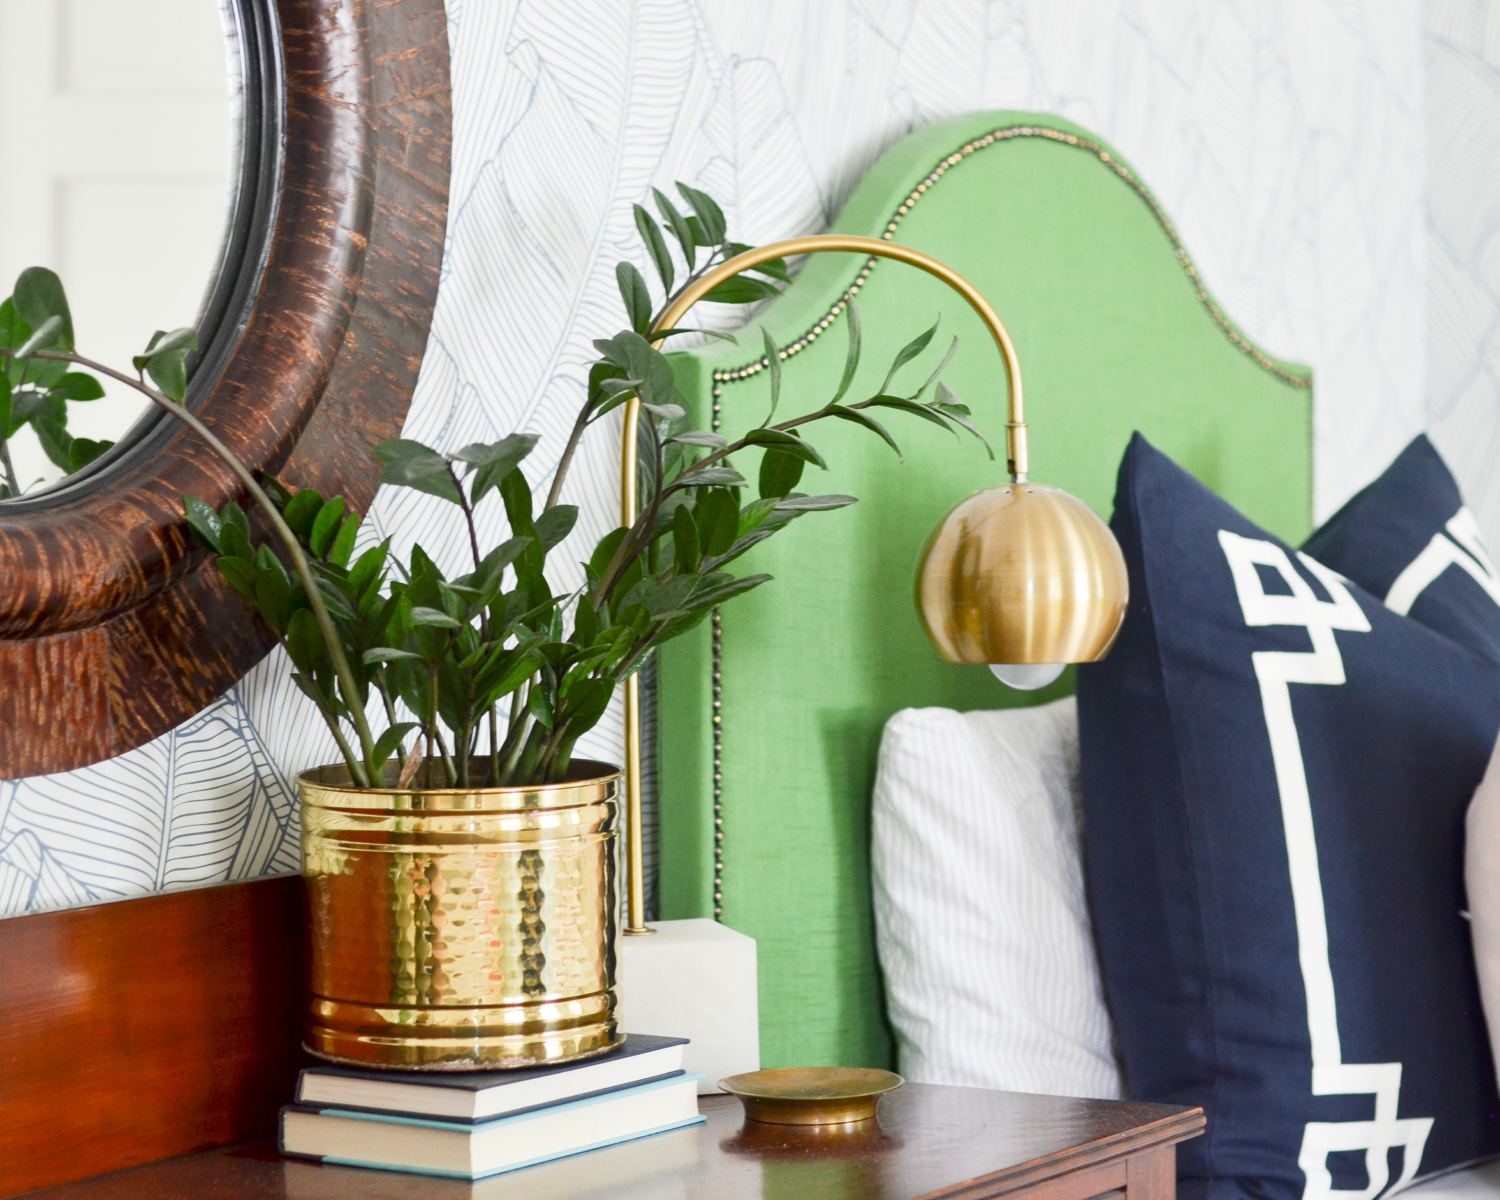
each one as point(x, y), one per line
point(114, 626)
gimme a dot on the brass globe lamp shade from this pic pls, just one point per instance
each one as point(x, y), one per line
point(1025, 578)
point(1022, 577)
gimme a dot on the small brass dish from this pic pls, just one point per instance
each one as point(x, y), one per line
point(811, 1095)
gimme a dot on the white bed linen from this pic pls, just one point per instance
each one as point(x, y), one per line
point(981, 925)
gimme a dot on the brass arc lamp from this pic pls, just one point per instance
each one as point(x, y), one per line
point(1022, 577)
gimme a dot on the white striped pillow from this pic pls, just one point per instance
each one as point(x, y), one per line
point(984, 937)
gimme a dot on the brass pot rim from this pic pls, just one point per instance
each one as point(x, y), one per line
point(580, 771)
point(329, 787)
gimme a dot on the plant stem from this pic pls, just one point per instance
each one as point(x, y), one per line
point(448, 767)
point(495, 745)
point(550, 752)
point(347, 683)
point(566, 461)
point(10, 470)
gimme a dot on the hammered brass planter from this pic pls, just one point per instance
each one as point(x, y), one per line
point(461, 929)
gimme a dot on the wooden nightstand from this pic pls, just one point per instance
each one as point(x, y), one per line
point(959, 1143)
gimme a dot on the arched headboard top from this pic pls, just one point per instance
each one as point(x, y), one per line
point(770, 719)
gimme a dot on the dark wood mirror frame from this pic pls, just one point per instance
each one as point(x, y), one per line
point(114, 626)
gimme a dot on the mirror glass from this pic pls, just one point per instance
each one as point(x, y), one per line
point(118, 139)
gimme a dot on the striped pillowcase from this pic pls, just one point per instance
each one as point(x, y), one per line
point(981, 923)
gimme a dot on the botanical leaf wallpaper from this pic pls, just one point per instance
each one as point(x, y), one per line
point(1284, 138)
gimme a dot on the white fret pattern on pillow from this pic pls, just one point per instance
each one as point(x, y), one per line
point(984, 936)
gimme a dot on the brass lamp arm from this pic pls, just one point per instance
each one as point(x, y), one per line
point(1015, 442)
point(1015, 428)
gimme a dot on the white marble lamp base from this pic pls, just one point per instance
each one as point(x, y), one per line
point(694, 979)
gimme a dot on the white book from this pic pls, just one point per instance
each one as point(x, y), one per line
point(473, 1150)
point(480, 1095)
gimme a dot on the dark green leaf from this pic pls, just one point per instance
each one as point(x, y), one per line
point(493, 462)
point(775, 268)
point(555, 524)
point(742, 290)
point(304, 643)
point(326, 526)
point(26, 404)
point(685, 540)
point(203, 521)
point(870, 423)
point(715, 476)
point(385, 654)
point(13, 330)
point(411, 464)
point(83, 451)
point(680, 228)
point(424, 617)
point(343, 544)
point(604, 552)
point(233, 541)
point(56, 441)
point(76, 386)
point(709, 214)
point(634, 355)
point(273, 597)
point(779, 473)
point(700, 437)
point(266, 560)
point(275, 489)
point(949, 405)
point(656, 246)
point(851, 360)
point(165, 360)
point(906, 354)
point(536, 702)
point(239, 574)
point(901, 404)
point(787, 443)
point(390, 741)
point(233, 514)
point(636, 294)
point(589, 701)
point(492, 566)
point(773, 363)
point(39, 297)
point(681, 329)
point(366, 568)
point(727, 591)
point(801, 504)
point(941, 367)
point(7, 430)
point(302, 510)
point(163, 342)
point(717, 516)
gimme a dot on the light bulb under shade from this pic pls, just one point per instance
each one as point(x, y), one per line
point(1027, 677)
point(1022, 574)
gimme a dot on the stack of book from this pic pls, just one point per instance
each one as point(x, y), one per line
point(473, 1124)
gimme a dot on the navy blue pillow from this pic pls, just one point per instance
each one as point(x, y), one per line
point(1409, 539)
point(1275, 773)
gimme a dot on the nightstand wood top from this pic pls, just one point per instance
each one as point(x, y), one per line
point(933, 1141)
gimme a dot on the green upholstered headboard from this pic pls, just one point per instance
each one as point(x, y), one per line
point(779, 705)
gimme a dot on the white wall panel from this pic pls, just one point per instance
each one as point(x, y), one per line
point(1283, 137)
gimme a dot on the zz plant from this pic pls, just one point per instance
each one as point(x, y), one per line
point(491, 676)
